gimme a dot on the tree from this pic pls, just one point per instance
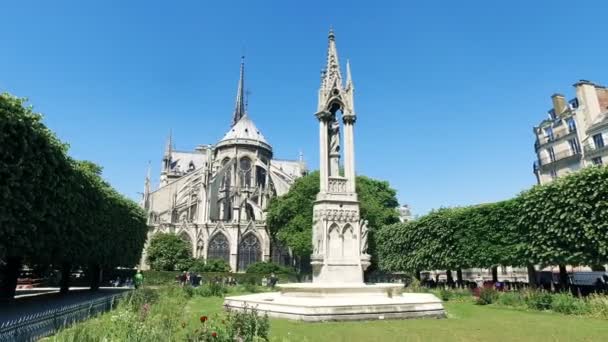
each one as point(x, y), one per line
point(55, 210)
point(289, 217)
point(168, 252)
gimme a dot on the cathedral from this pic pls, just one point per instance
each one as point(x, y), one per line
point(215, 196)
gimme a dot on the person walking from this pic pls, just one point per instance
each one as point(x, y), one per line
point(139, 279)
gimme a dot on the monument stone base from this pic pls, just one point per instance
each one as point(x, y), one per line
point(312, 302)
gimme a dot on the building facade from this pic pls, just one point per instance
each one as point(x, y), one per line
point(215, 196)
point(405, 213)
point(574, 134)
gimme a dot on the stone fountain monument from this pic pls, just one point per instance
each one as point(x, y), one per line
point(339, 236)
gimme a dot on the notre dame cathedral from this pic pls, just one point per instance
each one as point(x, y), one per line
point(215, 196)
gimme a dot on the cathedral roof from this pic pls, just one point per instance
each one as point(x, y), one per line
point(244, 132)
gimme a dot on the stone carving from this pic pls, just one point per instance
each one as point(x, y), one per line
point(341, 215)
point(364, 231)
point(337, 185)
point(334, 137)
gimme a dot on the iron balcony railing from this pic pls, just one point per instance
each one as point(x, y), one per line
point(540, 141)
point(558, 156)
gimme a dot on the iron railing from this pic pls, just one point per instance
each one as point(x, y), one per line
point(558, 156)
point(41, 324)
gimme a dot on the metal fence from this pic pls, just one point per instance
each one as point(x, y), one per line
point(36, 326)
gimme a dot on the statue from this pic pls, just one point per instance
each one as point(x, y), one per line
point(334, 137)
point(364, 231)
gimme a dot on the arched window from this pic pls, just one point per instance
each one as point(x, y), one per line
point(245, 171)
point(250, 251)
point(280, 255)
point(219, 248)
point(227, 175)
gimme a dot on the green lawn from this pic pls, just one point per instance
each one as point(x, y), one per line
point(465, 322)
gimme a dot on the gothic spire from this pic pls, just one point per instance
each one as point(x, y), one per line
point(239, 108)
point(349, 79)
point(169, 146)
point(332, 76)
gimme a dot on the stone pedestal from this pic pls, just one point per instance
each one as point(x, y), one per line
point(340, 302)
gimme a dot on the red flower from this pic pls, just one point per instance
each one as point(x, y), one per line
point(214, 334)
point(203, 319)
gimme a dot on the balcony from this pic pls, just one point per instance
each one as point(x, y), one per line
point(549, 139)
point(592, 150)
point(563, 157)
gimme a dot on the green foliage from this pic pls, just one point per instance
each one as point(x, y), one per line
point(247, 326)
point(563, 222)
point(267, 267)
point(597, 306)
point(168, 252)
point(538, 300)
point(217, 265)
point(511, 298)
point(289, 217)
point(212, 289)
point(54, 209)
point(487, 295)
point(567, 304)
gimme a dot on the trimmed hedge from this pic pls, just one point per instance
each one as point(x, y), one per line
point(168, 277)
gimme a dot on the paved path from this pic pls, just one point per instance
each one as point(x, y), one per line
point(36, 300)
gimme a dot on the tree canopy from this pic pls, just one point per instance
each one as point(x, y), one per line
point(168, 252)
point(563, 222)
point(55, 210)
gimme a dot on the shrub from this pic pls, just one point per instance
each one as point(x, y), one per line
point(267, 267)
point(487, 296)
point(246, 326)
point(213, 289)
point(538, 300)
point(510, 298)
point(444, 294)
point(137, 298)
point(597, 305)
point(567, 304)
point(217, 265)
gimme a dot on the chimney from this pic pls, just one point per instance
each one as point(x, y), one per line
point(559, 103)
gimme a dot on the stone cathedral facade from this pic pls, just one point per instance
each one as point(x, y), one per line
point(215, 196)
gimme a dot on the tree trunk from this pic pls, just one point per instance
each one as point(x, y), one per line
point(8, 281)
point(459, 277)
point(532, 276)
point(417, 275)
point(450, 279)
point(66, 272)
point(495, 274)
point(563, 278)
point(95, 272)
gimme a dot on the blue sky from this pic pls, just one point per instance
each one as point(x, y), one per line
point(446, 92)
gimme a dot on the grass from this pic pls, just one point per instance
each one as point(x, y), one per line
point(466, 322)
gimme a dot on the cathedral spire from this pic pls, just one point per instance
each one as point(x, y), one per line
point(239, 108)
point(169, 146)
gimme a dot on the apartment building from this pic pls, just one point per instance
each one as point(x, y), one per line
point(574, 135)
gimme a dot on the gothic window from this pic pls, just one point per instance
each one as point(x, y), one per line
point(219, 248)
point(226, 180)
point(280, 255)
point(250, 251)
point(245, 171)
point(260, 174)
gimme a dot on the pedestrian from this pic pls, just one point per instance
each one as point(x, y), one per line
point(139, 279)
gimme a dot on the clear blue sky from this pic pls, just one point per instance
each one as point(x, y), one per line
point(447, 92)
